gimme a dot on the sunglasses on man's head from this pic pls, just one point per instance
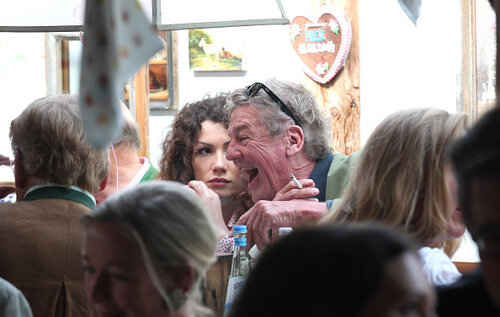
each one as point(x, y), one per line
point(254, 88)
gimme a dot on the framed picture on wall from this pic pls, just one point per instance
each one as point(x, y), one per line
point(216, 50)
point(63, 51)
point(158, 81)
point(160, 78)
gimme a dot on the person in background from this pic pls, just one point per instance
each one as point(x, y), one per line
point(12, 301)
point(338, 271)
point(403, 179)
point(4, 160)
point(127, 169)
point(277, 129)
point(194, 153)
point(147, 249)
point(56, 172)
point(476, 161)
point(7, 192)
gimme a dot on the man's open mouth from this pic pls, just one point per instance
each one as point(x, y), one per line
point(250, 173)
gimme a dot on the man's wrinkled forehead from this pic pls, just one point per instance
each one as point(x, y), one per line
point(245, 116)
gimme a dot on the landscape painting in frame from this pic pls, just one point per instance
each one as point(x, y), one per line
point(216, 50)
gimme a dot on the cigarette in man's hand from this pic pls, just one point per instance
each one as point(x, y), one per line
point(296, 181)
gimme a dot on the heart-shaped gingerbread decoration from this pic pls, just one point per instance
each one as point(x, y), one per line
point(322, 46)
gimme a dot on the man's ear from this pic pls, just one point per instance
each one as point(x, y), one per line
point(104, 182)
point(20, 177)
point(294, 139)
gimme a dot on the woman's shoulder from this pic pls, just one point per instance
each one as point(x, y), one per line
point(438, 267)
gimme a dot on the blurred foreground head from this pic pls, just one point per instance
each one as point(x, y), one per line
point(476, 159)
point(147, 249)
point(338, 271)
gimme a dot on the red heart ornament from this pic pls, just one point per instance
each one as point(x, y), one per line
point(322, 46)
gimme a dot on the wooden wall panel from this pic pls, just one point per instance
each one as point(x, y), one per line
point(142, 108)
point(341, 96)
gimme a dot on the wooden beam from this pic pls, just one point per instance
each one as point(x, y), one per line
point(174, 85)
point(469, 59)
point(466, 267)
point(214, 285)
point(496, 6)
point(142, 108)
point(341, 96)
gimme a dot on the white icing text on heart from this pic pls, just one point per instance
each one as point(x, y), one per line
point(316, 47)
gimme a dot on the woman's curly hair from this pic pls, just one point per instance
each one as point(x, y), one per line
point(177, 158)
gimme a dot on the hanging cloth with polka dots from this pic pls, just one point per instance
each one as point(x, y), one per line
point(117, 40)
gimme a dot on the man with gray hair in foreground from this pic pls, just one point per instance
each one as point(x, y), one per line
point(277, 130)
point(56, 172)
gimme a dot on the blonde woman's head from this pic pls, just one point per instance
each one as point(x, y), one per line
point(147, 249)
point(401, 177)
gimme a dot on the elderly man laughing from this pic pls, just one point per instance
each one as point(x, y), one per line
point(273, 137)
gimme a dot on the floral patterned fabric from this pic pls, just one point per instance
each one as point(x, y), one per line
point(225, 246)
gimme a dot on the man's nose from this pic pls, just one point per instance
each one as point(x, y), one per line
point(232, 152)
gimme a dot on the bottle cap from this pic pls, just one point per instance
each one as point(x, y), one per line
point(240, 242)
point(240, 229)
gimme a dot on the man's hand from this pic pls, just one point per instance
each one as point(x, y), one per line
point(4, 160)
point(5, 190)
point(271, 215)
point(290, 191)
point(212, 201)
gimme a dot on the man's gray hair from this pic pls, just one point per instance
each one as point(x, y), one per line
point(130, 136)
point(315, 123)
point(54, 149)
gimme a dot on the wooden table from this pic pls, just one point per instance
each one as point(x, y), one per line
point(214, 286)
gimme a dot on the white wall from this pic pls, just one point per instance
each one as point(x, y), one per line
point(403, 66)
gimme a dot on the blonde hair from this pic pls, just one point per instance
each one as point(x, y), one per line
point(400, 178)
point(172, 229)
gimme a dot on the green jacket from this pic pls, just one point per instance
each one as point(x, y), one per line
point(339, 174)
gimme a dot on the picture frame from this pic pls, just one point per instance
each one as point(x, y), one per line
point(161, 77)
point(63, 51)
point(216, 50)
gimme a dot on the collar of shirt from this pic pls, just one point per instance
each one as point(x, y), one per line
point(58, 191)
point(319, 175)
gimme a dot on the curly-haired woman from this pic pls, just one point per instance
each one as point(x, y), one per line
point(194, 153)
